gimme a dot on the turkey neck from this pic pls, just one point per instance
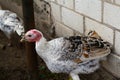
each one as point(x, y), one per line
point(41, 47)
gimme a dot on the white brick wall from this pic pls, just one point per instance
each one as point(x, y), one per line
point(56, 11)
point(112, 15)
point(113, 64)
point(117, 42)
point(67, 3)
point(109, 0)
point(52, 0)
point(72, 19)
point(117, 2)
point(105, 32)
point(91, 8)
point(62, 30)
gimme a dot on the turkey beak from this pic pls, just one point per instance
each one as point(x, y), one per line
point(23, 39)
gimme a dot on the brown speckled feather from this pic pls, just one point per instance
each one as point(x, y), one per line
point(80, 48)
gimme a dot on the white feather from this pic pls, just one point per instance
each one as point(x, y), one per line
point(9, 23)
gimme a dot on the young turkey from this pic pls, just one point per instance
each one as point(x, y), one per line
point(10, 23)
point(73, 55)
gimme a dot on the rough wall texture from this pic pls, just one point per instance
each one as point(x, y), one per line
point(77, 17)
point(43, 19)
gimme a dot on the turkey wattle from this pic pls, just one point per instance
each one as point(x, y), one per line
point(10, 23)
point(73, 55)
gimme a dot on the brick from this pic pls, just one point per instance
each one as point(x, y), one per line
point(72, 19)
point(117, 2)
point(91, 8)
point(112, 15)
point(62, 30)
point(109, 0)
point(118, 66)
point(105, 32)
point(44, 0)
point(66, 3)
point(52, 0)
point(117, 42)
point(112, 64)
point(56, 12)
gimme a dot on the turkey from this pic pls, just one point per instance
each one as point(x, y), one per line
point(73, 55)
point(10, 23)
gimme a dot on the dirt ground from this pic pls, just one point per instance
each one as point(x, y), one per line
point(13, 66)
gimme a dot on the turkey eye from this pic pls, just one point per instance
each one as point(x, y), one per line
point(29, 35)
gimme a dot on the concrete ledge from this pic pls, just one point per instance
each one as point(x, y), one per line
point(112, 64)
